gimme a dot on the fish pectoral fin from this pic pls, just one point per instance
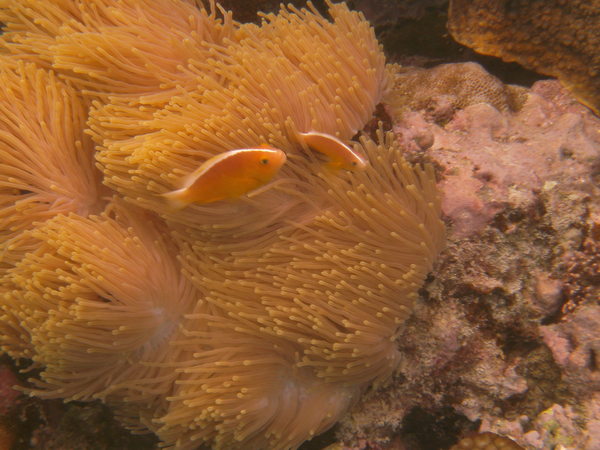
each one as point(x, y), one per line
point(177, 199)
point(265, 187)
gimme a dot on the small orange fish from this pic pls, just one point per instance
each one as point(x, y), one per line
point(341, 156)
point(228, 175)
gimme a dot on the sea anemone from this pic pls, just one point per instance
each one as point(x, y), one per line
point(107, 47)
point(239, 391)
point(262, 88)
point(46, 160)
point(338, 281)
point(94, 306)
point(305, 317)
point(252, 323)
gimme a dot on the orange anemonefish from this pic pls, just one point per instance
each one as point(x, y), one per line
point(228, 175)
point(341, 156)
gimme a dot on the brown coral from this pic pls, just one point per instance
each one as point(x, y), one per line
point(556, 37)
point(448, 87)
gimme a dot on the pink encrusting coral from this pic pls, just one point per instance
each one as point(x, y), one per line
point(574, 345)
point(506, 159)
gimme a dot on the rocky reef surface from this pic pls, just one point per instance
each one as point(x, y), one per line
point(507, 333)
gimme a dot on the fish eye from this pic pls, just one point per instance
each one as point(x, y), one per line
point(354, 163)
point(264, 161)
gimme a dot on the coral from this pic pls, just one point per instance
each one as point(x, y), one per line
point(448, 87)
point(253, 323)
point(490, 346)
point(479, 181)
point(582, 280)
point(575, 347)
point(555, 37)
point(488, 441)
point(555, 427)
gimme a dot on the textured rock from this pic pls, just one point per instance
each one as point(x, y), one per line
point(491, 160)
point(575, 346)
point(492, 346)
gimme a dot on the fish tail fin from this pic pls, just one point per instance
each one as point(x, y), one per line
point(177, 199)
